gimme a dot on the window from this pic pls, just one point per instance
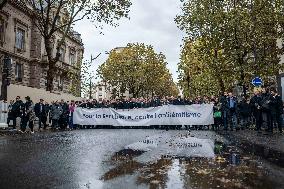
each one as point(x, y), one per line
point(2, 31)
point(62, 54)
point(72, 57)
point(20, 39)
point(100, 89)
point(58, 19)
point(19, 72)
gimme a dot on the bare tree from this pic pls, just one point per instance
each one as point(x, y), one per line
point(58, 16)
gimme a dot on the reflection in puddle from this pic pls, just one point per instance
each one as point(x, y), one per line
point(126, 168)
point(155, 174)
point(175, 175)
point(228, 170)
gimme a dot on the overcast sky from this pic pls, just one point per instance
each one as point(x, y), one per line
point(151, 22)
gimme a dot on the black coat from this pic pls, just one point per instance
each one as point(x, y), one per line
point(244, 108)
point(178, 102)
point(83, 105)
point(224, 103)
point(41, 113)
point(266, 104)
point(255, 103)
point(16, 109)
point(276, 105)
point(65, 110)
point(156, 102)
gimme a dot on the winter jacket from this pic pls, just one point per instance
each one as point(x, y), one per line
point(56, 111)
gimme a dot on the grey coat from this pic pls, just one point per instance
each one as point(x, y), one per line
point(56, 111)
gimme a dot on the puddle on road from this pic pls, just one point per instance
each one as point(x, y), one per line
point(228, 170)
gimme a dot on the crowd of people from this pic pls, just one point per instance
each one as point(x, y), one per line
point(263, 110)
point(57, 114)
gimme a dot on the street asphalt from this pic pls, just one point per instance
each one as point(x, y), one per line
point(84, 159)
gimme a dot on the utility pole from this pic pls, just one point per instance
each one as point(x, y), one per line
point(6, 76)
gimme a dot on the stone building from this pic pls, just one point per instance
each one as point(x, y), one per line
point(104, 91)
point(21, 41)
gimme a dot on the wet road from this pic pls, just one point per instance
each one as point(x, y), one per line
point(83, 159)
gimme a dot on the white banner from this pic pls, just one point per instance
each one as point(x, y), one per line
point(162, 115)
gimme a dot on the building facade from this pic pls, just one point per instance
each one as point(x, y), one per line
point(21, 41)
point(103, 91)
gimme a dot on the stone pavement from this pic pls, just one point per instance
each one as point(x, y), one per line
point(268, 146)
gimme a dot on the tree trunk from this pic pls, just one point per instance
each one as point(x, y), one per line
point(221, 85)
point(243, 82)
point(49, 80)
point(51, 65)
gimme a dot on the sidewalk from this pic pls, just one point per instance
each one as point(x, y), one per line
point(9, 132)
point(268, 146)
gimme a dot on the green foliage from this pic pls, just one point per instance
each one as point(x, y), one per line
point(196, 77)
point(236, 40)
point(138, 69)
